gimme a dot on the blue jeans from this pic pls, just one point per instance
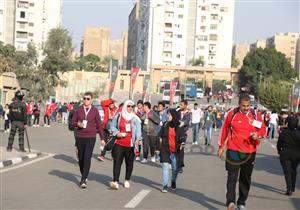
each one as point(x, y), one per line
point(165, 170)
point(207, 133)
point(195, 131)
point(273, 130)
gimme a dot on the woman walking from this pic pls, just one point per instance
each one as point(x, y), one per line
point(126, 126)
point(172, 140)
point(87, 121)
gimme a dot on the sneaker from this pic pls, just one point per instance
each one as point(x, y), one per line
point(152, 159)
point(7, 130)
point(196, 143)
point(231, 206)
point(173, 186)
point(37, 125)
point(101, 158)
point(193, 143)
point(114, 185)
point(45, 125)
point(164, 189)
point(83, 184)
point(48, 126)
point(180, 170)
point(289, 192)
point(144, 161)
point(126, 184)
point(137, 159)
point(241, 207)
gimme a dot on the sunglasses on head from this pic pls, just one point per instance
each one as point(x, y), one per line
point(86, 98)
point(130, 106)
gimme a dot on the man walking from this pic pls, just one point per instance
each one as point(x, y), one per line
point(209, 120)
point(242, 128)
point(196, 118)
point(18, 118)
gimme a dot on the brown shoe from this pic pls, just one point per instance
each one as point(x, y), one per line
point(231, 206)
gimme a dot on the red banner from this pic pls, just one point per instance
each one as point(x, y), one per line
point(173, 86)
point(134, 74)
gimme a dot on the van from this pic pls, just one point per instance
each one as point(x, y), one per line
point(200, 93)
point(166, 97)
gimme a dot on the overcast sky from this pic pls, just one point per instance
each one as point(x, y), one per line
point(254, 19)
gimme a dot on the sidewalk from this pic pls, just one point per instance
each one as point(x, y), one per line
point(14, 157)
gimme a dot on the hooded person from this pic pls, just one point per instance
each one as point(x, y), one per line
point(126, 126)
point(171, 143)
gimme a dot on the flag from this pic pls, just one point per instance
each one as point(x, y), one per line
point(295, 97)
point(145, 87)
point(173, 86)
point(113, 74)
point(134, 74)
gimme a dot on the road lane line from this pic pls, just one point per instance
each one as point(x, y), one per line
point(48, 155)
point(137, 199)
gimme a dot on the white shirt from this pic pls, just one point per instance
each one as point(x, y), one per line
point(274, 118)
point(196, 115)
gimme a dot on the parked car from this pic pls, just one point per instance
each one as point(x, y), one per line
point(200, 93)
point(166, 97)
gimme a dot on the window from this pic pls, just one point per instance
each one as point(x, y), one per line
point(167, 54)
point(31, 4)
point(22, 5)
point(168, 34)
point(204, 8)
point(22, 14)
point(178, 56)
point(181, 6)
point(1, 11)
point(203, 18)
point(213, 37)
point(169, 14)
point(214, 17)
point(180, 16)
point(213, 27)
point(202, 47)
point(168, 25)
point(122, 84)
point(22, 34)
point(31, 24)
point(179, 36)
point(202, 28)
point(30, 34)
point(224, 9)
point(214, 6)
point(167, 44)
point(202, 38)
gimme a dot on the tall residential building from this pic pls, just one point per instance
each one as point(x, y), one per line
point(297, 67)
point(118, 50)
point(174, 32)
point(96, 41)
point(239, 52)
point(285, 43)
point(125, 47)
point(25, 21)
point(133, 27)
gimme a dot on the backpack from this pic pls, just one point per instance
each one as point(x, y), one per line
point(70, 126)
point(236, 110)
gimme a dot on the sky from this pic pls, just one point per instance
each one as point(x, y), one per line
point(253, 19)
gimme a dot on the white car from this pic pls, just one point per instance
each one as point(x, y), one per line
point(200, 93)
point(166, 96)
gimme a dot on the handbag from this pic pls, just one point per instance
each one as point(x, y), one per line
point(111, 139)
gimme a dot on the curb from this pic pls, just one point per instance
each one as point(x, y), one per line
point(17, 160)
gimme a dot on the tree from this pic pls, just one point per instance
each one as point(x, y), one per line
point(197, 62)
point(89, 62)
point(260, 64)
point(105, 62)
point(7, 53)
point(275, 94)
point(58, 52)
point(234, 62)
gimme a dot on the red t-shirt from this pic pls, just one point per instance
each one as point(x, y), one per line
point(125, 142)
point(172, 139)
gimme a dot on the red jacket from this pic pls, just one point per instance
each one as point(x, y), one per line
point(240, 140)
point(105, 106)
point(29, 108)
point(48, 110)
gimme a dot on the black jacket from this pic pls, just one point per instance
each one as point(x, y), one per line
point(17, 111)
point(164, 147)
point(288, 139)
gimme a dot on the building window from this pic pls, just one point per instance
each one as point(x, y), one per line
point(22, 14)
point(203, 18)
point(1, 11)
point(178, 56)
point(22, 34)
point(30, 34)
point(167, 54)
point(181, 6)
point(22, 25)
point(179, 36)
point(22, 5)
point(202, 38)
point(167, 44)
point(202, 28)
point(202, 47)
point(31, 24)
point(213, 37)
point(168, 34)
point(168, 25)
point(214, 17)
point(224, 9)
point(205, 8)
point(169, 14)
point(214, 6)
point(213, 27)
point(180, 16)
point(31, 4)
point(122, 84)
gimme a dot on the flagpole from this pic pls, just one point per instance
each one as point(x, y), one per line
point(130, 83)
point(110, 74)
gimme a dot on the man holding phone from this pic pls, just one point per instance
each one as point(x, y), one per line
point(243, 127)
point(88, 123)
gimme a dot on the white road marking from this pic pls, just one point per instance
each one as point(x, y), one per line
point(49, 155)
point(137, 199)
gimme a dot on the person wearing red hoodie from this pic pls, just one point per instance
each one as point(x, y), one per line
point(242, 128)
point(110, 110)
point(47, 115)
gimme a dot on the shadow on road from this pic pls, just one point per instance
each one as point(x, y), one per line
point(267, 187)
point(66, 158)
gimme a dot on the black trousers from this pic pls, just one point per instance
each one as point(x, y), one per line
point(180, 157)
point(36, 120)
point(290, 160)
point(149, 141)
point(6, 124)
point(85, 148)
point(119, 153)
point(16, 126)
point(46, 120)
point(238, 166)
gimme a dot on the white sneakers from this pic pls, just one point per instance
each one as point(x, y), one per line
point(144, 161)
point(126, 184)
point(114, 185)
point(152, 159)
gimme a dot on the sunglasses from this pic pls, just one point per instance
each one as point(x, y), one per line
point(130, 106)
point(86, 98)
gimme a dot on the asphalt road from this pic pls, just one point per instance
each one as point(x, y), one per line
point(51, 182)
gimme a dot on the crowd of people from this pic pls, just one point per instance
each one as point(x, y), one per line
point(154, 132)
